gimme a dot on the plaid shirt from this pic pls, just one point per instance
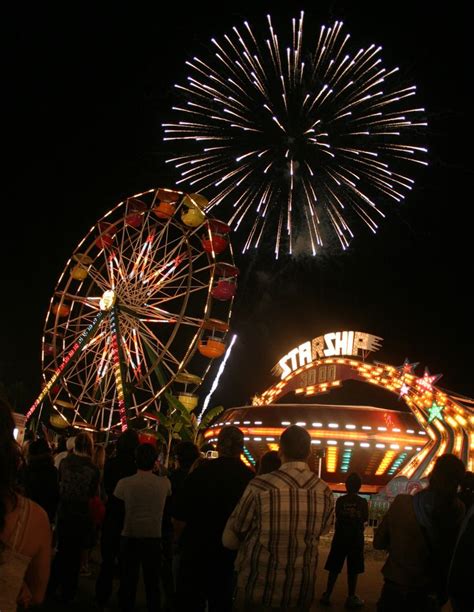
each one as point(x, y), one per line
point(279, 520)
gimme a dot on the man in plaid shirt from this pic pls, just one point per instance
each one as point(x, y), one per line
point(276, 527)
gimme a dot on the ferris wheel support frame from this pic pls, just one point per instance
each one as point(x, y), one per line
point(67, 361)
point(117, 356)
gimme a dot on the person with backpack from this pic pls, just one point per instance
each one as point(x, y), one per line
point(352, 512)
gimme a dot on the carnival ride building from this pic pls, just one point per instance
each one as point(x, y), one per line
point(377, 442)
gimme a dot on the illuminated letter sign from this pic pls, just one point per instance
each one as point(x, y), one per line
point(333, 344)
point(339, 343)
point(304, 354)
point(317, 347)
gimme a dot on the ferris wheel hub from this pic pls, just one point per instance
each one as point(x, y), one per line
point(108, 299)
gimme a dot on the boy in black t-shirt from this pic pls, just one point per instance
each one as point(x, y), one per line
point(352, 512)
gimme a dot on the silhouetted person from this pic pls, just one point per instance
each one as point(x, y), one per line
point(209, 495)
point(121, 465)
point(78, 483)
point(466, 492)
point(269, 462)
point(186, 454)
point(40, 477)
point(420, 533)
point(352, 512)
point(461, 571)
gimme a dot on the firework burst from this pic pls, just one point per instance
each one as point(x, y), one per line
point(301, 144)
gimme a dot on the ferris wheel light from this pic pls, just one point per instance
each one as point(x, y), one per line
point(107, 300)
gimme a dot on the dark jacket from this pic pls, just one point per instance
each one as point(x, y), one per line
point(419, 541)
point(206, 501)
point(40, 481)
point(115, 469)
point(461, 574)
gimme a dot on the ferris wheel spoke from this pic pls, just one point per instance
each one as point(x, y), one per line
point(182, 284)
point(181, 277)
point(132, 359)
point(146, 386)
point(194, 321)
point(144, 261)
point(140, 360)
point(184, 292)
point(134, 240)
point(91, 302)
point(97, 393)
point(167, 317)
point(84, 392)
point(57, 358)
point(137, 255)
point(163, 349)
point(75, 416)
point(160, 287)
point(167, 249)
point(99, 357)
point(158, 277)
point(87, 378)
point(154, 314)
point(126, 238)
point(145, 334)
point(107, 383)
point(183, 320)
point(79, 322)
point(167, 244)
point(83, 318)
point(134, 350)
point(107, 414)
point(194, 283)
point(168, 256)
point(142, 256)
point(101, 282)
point(94, 362)
point(161, 358)
point(155, 344)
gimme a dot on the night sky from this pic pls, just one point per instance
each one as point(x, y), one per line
point(85, 92)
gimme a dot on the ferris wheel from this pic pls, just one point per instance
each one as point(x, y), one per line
point(142, 305)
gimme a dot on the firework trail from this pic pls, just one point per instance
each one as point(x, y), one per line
point(312, 140)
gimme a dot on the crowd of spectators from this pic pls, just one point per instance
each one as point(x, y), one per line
point(214, 534)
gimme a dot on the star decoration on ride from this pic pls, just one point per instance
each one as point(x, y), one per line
point(404, 389)
point(407, 367)
point(435, 412)
point(426, 382)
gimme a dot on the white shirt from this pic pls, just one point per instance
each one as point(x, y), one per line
point(144, 495)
